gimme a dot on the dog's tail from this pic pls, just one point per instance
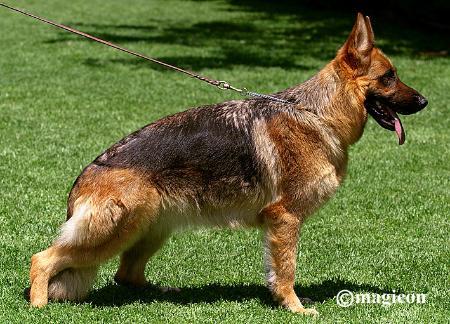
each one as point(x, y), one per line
point(72, 284)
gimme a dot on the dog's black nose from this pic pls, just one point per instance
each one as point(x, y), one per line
point(422, 101)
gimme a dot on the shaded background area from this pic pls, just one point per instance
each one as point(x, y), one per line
point(414, 27)
point(282, 34)
point(432, 14)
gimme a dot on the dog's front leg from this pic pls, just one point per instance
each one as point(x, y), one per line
point(282, 231)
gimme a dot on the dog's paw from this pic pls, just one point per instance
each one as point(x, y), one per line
point(38, 301)
point(302, 310)
point(162, 289)
point(168, 289)
point(310, 312)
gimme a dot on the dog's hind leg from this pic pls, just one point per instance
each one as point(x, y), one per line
point(53, 275)
point(63, 273)
point(131, 271)
point(105, 221)
point(44, 265)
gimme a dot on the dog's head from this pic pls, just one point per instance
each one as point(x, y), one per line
point(384, 95)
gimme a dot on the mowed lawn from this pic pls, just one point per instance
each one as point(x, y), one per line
point(63, 100)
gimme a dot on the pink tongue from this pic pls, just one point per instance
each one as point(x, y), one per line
point(400, 131)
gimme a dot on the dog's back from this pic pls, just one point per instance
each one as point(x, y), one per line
point(196, 148)
point(216, 163)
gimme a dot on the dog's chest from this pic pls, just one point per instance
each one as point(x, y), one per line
point(310, 164)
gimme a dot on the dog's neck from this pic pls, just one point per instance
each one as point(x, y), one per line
point(338, 103)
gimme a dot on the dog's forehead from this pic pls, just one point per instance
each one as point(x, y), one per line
point(380, 63)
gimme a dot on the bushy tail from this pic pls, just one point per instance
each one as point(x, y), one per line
point(72, 284)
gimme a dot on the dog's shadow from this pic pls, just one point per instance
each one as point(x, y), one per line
point(115, 295)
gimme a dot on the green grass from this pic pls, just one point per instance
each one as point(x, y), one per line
point(63, 100)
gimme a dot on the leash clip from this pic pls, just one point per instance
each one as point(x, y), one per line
point(223, 85)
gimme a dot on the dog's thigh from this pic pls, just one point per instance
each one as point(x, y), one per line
point(108, 217)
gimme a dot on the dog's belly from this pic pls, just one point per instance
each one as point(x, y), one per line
point(245, 211)
point(225, 203)
point(239, 215)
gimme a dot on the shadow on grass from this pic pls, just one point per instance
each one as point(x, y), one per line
point(114, 295)
point(276, 34)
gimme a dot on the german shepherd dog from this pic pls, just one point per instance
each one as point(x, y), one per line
point(248, 162)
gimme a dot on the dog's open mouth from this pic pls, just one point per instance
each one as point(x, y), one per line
point(386, 117)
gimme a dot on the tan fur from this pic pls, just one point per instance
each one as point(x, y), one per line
point(301, 154)
point(118, 213)
point(268, 155)
point(72, 284)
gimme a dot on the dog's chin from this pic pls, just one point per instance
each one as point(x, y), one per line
point(386, 117)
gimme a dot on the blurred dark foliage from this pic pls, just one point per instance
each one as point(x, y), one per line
point(431, 14)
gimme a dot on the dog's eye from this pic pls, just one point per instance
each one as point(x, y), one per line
point(388, 78)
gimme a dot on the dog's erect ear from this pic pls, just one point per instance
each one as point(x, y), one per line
point(358, 47)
